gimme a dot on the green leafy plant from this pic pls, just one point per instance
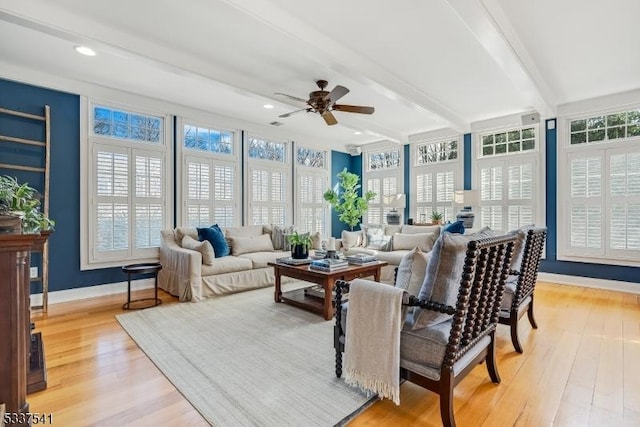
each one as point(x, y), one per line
point(23, 201)
point(436, 217)
point(346, 202)
point(296, 239)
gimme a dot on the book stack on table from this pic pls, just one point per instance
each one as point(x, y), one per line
point(361, 259)
point(293, 261)
point(328, 265)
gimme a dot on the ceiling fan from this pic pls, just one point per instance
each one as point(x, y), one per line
point(324, 102)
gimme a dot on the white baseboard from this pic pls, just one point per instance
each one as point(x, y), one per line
point(589, 282)
point(75, 294)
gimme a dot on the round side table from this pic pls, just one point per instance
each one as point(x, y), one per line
point(142, 269)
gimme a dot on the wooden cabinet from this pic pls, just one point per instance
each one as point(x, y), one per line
point(15, 319)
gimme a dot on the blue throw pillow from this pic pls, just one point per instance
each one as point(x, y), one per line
point(455, 227)
point(215, 236)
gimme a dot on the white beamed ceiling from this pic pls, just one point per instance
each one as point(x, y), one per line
point(424, 65)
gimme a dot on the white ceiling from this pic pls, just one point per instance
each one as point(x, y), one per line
point(424, 65)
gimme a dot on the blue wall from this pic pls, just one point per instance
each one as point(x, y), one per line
point(64, 206)
point(353, 164)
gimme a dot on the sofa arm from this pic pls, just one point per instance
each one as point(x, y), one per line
point(181, 271)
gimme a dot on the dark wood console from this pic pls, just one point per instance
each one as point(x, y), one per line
point(15, 321)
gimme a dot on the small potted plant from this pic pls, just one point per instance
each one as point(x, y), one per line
point(22, 201)
point(436, 217)
point(300, 245)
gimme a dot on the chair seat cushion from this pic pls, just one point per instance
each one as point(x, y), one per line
point(509, 292)
point(425, 346)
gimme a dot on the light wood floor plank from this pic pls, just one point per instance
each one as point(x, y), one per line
point(581, 367)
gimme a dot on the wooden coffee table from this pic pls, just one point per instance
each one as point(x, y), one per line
point(326, 280)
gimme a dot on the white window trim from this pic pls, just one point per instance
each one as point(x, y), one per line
point(299, 171)
point(563, 150)
point(251, 163)
point(539, 171)
point(87, 182)
point(382, 173)
point(457, 166)
point(182, 154)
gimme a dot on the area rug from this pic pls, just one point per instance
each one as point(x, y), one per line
point(243, 360)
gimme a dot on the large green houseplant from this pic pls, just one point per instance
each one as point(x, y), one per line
point(22, 201)
point(346, 202)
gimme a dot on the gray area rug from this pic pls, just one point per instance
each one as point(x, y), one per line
point(243, 360)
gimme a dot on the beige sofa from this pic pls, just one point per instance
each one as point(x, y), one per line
point(185, 275)
point(392, 243)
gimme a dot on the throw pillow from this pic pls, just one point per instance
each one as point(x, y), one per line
point(203, 247)
point(442, 278)
point(413, 229)
point(279, 235)
point(376, 239)
point(215, 236)
point(424, 241)
point(185, 231)
point(245, 245)
point(411, 271)
point(352, 239)
point(454, 227)
point(518, 246)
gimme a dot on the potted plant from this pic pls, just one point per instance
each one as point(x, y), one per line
point(436, 217)
point(300, 245)
point(22, 201)
point(346, 202)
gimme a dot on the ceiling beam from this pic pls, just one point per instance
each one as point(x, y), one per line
point(486, 20)
point(345, 60)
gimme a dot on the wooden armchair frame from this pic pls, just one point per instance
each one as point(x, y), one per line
point(475, 316)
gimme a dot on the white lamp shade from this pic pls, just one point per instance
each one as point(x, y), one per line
point(466, 198)
point(395, 201)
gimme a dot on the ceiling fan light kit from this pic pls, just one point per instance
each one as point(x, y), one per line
point(324, 102)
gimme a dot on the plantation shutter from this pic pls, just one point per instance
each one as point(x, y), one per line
point(112, 201)
point(224, 204)
point(313, 209)
point(491, 197)
point(149, 191)
point(198, 193)
point(585, 206)
point(624, 203)
point(268, 197)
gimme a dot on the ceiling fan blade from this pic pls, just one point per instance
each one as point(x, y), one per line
point(295, 98)
point(354, 108)
point(329, 118)
point(294, 112)
point(337, 93)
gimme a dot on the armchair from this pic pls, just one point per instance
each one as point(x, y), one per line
point(518, 297)
point(439, 355)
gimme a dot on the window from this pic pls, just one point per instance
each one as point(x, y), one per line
point(510, 178)
point(383, 176)
point(210, 177)
point(127, 186)
point(312, 180)
point(600, 199)
point(270, 182)
point(435, 175)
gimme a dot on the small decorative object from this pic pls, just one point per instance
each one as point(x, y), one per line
point(300, 244)
point(395, 201)
point(346, 201)
point(22, 201)
point(410, 221)
point(465, 200)
point(436, 217)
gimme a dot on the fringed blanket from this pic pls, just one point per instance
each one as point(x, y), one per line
point(372, 346)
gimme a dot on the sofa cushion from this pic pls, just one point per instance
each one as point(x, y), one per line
point(352, 239)
point(180, 232)
point(261, 259)
point(215, 236)
point(245, 231)
point(442, 279)
point(411, 271)
point(279, 235)
point(392, 257)
point(454, 227)
point(409, 241)
point(243, 245)
point(228, 264)
point(359, 250)
point(413, 229)
point(425, 346)
point(204, 247)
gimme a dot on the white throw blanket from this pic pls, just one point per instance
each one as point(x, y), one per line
point(372, 346)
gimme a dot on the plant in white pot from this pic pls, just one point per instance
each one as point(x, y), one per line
point(346, 202)
point(21, 201)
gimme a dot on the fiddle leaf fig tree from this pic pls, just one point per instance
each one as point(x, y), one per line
point(346, 202)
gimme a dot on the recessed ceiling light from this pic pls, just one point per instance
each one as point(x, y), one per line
point(357, 132)
point(268, 106)
point(87, 51)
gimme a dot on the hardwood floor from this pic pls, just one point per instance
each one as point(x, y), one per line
point(580, 368)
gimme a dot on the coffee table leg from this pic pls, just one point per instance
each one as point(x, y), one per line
point(278, 292)
point(328, 299)
point(376, 275)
